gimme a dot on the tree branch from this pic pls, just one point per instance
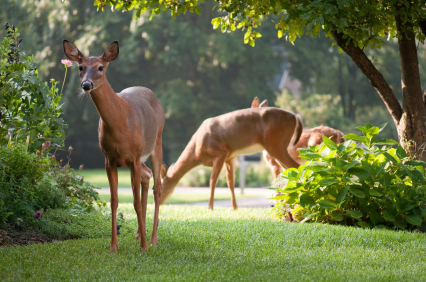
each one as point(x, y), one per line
point(376, 78)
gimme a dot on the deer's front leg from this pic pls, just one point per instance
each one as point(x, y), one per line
point(230, 179)
point(135, 171)
point(113, 185)
point(217, 167)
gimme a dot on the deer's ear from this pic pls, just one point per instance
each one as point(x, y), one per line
point(111, 52)
point(255, 103)
point(263, 104)
point(72, 52)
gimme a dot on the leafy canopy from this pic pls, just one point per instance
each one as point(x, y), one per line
point(363, 22)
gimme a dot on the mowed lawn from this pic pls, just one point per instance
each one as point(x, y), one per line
point(196, 244)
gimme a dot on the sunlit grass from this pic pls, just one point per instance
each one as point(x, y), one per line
point(99, 177)
point(196, 244)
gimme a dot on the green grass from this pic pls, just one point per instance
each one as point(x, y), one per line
point(127, 198)
point(196, 244)
point(99, 177)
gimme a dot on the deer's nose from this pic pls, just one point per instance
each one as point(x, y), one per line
point(86, 85)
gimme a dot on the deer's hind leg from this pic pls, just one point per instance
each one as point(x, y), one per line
point(230, 179)
point(135, 170)
point(156, 161)
point(217, 167)
point(146, 174)
point(280, 154)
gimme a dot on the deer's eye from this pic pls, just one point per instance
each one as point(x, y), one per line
point(80, 68)
point(101, 68)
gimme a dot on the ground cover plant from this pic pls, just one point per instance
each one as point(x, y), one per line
point(376, 186)
point(196, 244)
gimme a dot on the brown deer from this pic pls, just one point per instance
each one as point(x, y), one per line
point(309, 137)
point(220, 139)
point(130, 130)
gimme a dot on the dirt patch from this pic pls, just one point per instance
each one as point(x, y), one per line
point(20, 237)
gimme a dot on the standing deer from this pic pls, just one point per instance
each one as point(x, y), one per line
point(310, 137)
point(130, 130)
point(220, 139)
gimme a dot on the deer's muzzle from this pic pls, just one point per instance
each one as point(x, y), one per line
point(87, 85)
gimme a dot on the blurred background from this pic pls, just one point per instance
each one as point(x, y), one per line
point(197, 72)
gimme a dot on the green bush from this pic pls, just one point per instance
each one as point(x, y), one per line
point(29, 108)
point(372, 187)
point(31, 182)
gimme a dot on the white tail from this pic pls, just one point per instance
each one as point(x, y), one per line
point(130, 130)
point(309, 137)
point(220, 139)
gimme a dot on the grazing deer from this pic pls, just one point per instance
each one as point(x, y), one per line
point(310, 137)
point(130, 130)
point(220, 139)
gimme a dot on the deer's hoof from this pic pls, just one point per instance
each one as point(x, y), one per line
point(113, 247)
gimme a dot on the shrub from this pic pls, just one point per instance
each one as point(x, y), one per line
point(29, 108)
point(30, 182)
point(372, 187)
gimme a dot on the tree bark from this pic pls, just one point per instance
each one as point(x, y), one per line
point(412, 127)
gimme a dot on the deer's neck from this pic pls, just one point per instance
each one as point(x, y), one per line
point(184, 164)
point(110, 106)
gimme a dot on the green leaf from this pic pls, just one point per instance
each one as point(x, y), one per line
point(388, 216)
point(374, 192)
point(382, 126)
point(400, 152)
point(355, 138)
point(317, 166)
point(329, 143)
point(364, 224)
point(390, 158)
point(360, 176)
point(354, 213)
point(386, 141)
point(327, 204)
point(328, 181)
point(342, 194)
point(408, 207)
point(351, 164)
point(336, 216)
point(307, 200)
point(413, 219)
point(415, 163)
point(400, 224)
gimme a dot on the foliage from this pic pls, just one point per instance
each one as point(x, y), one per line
point(196, 244)
point(29, 108)
point(372, 187)
point(31, 182)
point(298, 17)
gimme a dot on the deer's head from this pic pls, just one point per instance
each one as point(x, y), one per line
point(92, 69)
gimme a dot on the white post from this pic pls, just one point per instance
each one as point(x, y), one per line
point(242, 174)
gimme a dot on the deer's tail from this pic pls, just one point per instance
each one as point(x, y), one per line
point(297, 131)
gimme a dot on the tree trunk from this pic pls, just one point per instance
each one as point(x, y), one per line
point(412, 125)
point(410, 120)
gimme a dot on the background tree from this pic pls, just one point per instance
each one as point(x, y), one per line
point(354, 25)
